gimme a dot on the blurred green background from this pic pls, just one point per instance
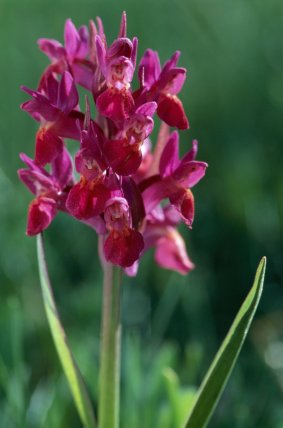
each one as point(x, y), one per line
point(233, 50)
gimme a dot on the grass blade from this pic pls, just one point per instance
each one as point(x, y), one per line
point(223, 363)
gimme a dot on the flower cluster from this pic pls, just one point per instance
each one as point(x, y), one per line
point(123, 181)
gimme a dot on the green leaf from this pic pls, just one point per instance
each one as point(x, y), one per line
point(223, 363)
point(70, 368)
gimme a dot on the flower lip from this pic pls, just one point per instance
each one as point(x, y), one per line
point(48, 146)
point(116, 104)
point(123, 156)
point(41, 212)
point(123, 249)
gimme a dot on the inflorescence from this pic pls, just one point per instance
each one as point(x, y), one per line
point(123, 181)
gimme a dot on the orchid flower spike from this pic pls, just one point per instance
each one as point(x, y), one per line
point(133, 192)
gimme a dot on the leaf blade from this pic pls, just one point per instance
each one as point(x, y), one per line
point(67, 360)
point(224, 361)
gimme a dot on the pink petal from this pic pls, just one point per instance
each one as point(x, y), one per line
point(52, 48)
point(170, 109)
point(101, 54)
point(92, 35)
point(72, 39)
point(120, 47)
point(83, 45)
point(35, 181)
point(52, 70)
point(183, 200)
point(149, 68)
point(147, 158)
point(39, 104)
point(171, 253)
point(134, 52)
point(138, 127)
point(32, 165)
point(97, 223)
point(79, 201)
point(147, 109)
point(50, 86)
point(40, 214)
point(62, 168)
point(100, 27)
point(67, 125)
point(173, 81)
point(188, 174)
point(68, 96)
point(83, 73)
point(135, 201)
point(157, 191)
point(191, 155)
point(123, 26)
point(89, 160)
point(170, 156)
point(85, 201)
point(172, 216)
point(132, 270)
point(172, 62)
point(28, 106)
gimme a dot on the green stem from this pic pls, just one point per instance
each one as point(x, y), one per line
point(109, 376)
point(65, 354)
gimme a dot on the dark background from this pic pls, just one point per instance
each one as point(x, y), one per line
point(234, 99)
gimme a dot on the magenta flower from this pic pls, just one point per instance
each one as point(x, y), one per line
point(124, 153)
point(50, 190)
point(122, 183)
point(70, 57)
point(175, 179)
point(162, 86)
point(55, 106)
point(123, 244)
point(117, 64)
point(88, 197)
point(161, 233)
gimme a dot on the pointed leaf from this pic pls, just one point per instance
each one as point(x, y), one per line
point(70, 368)
point(223, 363)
